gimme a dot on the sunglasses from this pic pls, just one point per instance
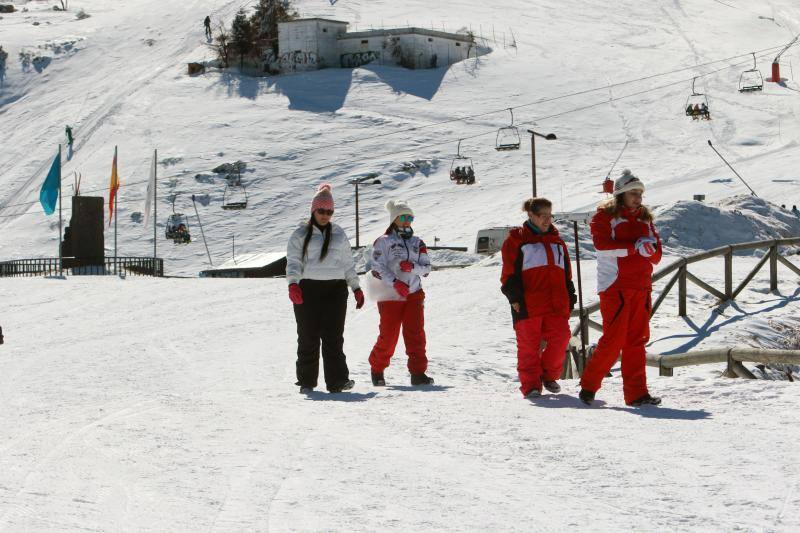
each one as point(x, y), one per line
point(328, 212)
point(406, 218)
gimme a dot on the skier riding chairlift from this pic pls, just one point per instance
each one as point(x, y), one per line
point(177, 227)
point(697, 105)
point(461, 169)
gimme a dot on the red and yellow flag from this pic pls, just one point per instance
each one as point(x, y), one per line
point(113, 187)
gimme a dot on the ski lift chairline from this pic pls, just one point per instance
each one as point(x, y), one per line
point(462, 170)
point(508, 136)
point(751, 80)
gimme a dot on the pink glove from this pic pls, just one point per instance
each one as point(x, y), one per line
point(645, 246)
point(406, 266)
point(401, 288)
point(359, 295)
point(296, 294)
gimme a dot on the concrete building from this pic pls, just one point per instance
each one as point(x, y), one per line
point(308, 44)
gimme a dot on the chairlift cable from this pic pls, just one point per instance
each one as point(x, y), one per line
point(493, 131)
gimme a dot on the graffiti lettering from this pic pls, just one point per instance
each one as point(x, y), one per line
point(358, 59)
point(290, 60)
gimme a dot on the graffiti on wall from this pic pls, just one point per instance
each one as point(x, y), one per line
point(290, 60)
point(359, 59)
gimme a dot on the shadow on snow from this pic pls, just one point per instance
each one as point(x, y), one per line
point(325, 91)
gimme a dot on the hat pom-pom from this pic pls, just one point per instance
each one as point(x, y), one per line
point(324, 187)
point(389, 205)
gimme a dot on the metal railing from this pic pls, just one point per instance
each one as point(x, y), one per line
point(50, 266)
point(680, 274)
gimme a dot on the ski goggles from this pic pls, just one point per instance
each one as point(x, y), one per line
point(328, 212)
point(406, 218)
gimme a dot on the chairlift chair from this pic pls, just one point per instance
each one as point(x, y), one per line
point(461, 169)
point(177, 227)
point(234, 197)
point(697, 105)
point(508, 136)
point(751, 80)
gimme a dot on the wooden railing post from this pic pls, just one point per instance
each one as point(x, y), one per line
point(773, 267)
point(682, 291)
point(729, 274)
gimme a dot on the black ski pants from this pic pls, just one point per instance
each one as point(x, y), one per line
point(321, 318)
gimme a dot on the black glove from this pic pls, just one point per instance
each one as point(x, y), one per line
point(573, 298)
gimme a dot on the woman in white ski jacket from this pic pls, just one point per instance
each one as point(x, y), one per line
point(399, 261)
point(319, 268)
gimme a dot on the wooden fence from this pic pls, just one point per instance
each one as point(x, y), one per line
point(678, 273)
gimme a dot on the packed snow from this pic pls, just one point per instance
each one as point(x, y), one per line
point(168, 405)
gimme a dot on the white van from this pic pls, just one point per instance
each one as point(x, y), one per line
point(490, 240)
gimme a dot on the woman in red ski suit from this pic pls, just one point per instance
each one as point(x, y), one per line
point(399, 261)
point(627, 247)
point(537, 280)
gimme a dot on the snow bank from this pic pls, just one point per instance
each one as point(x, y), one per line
point(689, 226)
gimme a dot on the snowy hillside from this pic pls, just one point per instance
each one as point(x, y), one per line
point(125, 84)
point(152, 416)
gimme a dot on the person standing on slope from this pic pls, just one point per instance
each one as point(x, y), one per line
point(537, 280)
point(627, 247)
point(319, 267)
point(207, 25)
point(399, 261)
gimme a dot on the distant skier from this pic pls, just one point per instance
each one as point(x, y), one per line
point(207, 25)
point(319, 267)
point(627, 247)
point(399, 261)
point(537, 280)
point(68, 131)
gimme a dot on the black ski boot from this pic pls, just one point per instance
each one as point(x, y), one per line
point(347, 385)
point(552, 386)
point(421, 379)
point(305, 389)
point(646, 400)
point(586, 396)
point(377, 379)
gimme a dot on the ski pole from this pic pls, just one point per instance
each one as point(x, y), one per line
point(733, 169)
point(580, 298)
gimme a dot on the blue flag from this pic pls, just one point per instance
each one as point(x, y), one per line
point(48, 196)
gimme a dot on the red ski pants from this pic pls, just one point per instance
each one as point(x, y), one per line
point(534, 363)
point(626, 329)
point(410, 315)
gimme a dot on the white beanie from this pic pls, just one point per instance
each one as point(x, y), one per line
point(627, 182)
point(397, 208)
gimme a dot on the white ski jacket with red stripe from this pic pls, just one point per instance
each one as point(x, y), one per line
point(387, 253)
point(619, 264)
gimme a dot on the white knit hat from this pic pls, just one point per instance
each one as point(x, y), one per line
point(397, 208)
point(627, 182)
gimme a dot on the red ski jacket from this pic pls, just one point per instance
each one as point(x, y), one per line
point(537, 274)
point(619, 264)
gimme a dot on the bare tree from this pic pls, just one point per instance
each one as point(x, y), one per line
point(222, 45)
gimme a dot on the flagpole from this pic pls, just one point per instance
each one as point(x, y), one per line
point(155, 209)
point(60, 258)
point(116, 193)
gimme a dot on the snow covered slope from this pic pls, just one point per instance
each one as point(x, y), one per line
point(125, 412)
point(123, 82)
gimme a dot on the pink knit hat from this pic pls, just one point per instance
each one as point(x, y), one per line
point(323, 199)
